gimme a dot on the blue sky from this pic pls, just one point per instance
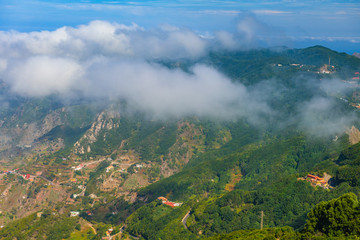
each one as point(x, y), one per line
point(335, 24)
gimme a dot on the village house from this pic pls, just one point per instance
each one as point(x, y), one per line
point(169, 203)
point(173, 204)
point(162, 199)
point(81, 166)
point(109, 168)
point(74, 213)
point(317, 181)
point(324, 69)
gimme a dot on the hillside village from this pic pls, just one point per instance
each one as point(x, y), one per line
point(165, 201)
point(317, 181)
point(99, 181)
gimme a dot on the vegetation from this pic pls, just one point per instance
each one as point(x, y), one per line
point(337, 217)
point(223, 172)
point(47, 226)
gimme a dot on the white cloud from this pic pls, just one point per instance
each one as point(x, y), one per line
point(227, 40)
point(43, 75)
point(162, 92)
point(104, 38)
point(221, 12)
point(319, 117)
point(354, 39)
point(105, 60)
point(3, 64)
point(270, 12)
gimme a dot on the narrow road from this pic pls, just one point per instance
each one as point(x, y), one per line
point(183, 221)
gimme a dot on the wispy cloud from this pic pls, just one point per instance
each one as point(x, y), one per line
point(354, 39)
point(220, 12)
point(270, 12)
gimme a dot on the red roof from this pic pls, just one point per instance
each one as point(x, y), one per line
point(355, 78)
point(162, 198)
point(314, 177)
point(171, 204)
point(356, 72)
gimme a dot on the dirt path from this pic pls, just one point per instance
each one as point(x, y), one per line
point(90, 225)
point(115, 235)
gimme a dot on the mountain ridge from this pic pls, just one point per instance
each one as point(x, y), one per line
point(110, 162)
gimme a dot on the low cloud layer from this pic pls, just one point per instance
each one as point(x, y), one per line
point(105, 60)
point(322, 117)
point(112, 61)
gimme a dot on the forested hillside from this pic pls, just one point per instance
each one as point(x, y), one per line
point(279, 157)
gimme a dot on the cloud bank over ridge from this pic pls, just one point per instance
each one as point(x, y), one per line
point(109, 60)
point(113, 61)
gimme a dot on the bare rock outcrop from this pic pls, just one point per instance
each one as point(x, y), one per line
point(354, 135)
point(105, 120)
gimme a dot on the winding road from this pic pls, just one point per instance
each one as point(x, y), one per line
point(183, 221)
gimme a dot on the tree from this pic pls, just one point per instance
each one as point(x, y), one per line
point(337, 217)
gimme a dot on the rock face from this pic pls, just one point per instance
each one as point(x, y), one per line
point(354, 135)
point(104, 121)
point(32, 131)
point(25, 135)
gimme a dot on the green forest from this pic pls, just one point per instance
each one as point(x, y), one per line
point(232, 178)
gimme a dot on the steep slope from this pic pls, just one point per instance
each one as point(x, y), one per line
point(112, 162)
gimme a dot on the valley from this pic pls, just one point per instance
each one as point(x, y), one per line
point(191, 176)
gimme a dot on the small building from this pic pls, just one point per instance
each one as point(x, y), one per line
point(74, 213)
point(171, 204)
point(163, 199)
point(108, 232)
point(317, 181)
point(81, 166)
point(109, 168)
